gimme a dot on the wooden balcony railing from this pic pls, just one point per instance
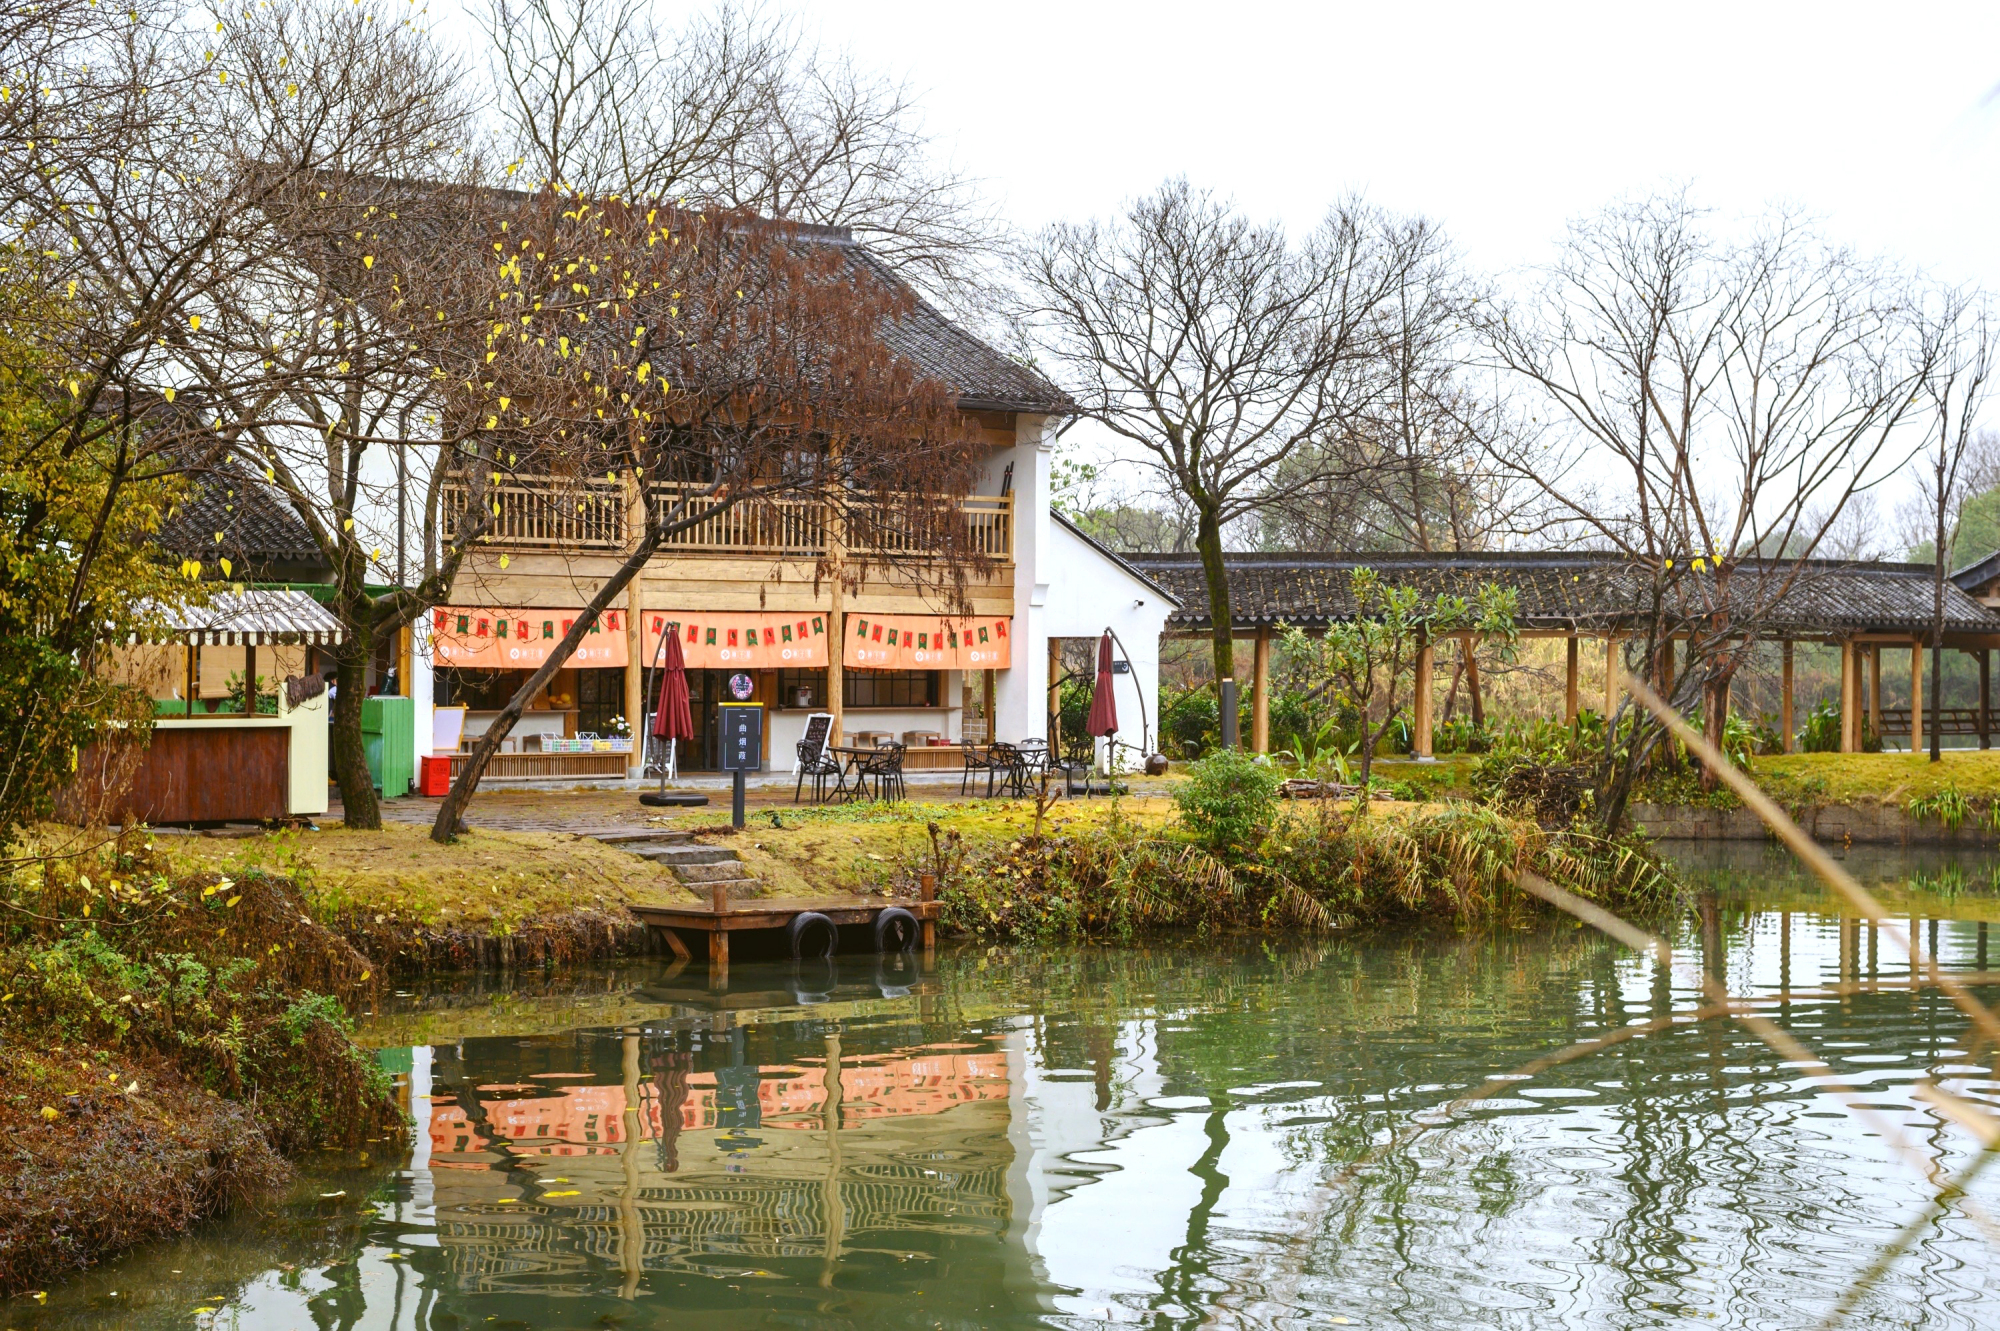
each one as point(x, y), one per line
point(535, 513)
point(800, 527)
point(544, 513)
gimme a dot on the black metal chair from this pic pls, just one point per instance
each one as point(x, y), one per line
point(817, 763)
point(885, 765)
point(1008, 766)
point(975, 761)
point(1078, 757)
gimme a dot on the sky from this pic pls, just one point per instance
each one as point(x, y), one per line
point(1501, 122)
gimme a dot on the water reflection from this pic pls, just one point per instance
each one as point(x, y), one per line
point(1170, 1137)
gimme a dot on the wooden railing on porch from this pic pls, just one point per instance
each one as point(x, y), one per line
point(549, 513)
point(1948, 720)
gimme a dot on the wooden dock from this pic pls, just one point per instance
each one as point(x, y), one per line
point(719, 917)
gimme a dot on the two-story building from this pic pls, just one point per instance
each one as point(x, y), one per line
point(757, 626)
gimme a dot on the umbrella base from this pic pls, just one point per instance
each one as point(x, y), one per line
point(672, 800)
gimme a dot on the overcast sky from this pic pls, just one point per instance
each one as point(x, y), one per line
point(1501, 121)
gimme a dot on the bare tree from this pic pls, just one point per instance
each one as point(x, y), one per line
point(1410, 469)
point(1957, 353)
point(1720, 404)
point(1216, 345)
point(739, 110)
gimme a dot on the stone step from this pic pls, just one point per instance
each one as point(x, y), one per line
point(731, 872)
point(675, 856)
point(635, 840)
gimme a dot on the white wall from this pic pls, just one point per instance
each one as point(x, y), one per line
point(1021, 692)
point(1089, 592)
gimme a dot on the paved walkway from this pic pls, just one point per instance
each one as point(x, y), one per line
point(590, 811)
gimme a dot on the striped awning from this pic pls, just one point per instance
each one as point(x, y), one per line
point(256, 618)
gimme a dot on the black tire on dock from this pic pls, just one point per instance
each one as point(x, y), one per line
point(896, 930)
point(811, 933)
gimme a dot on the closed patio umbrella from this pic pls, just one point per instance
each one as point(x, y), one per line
point(672, 720)
point(1103, 704)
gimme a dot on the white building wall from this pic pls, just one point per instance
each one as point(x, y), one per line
point(1089, 592)
point(1021, 692)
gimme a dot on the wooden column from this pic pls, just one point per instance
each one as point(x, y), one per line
point(1420, 709)
point(635, 631)
point(1785, 712)
point(1985, 697)
point(986, 704)
point(1571, 694)
point(1916, 694)
point(1850, 691)
point(1611, 689)
point(1260, 702)
point(1874, 695)
point(836, 619)
point(250, 680)
point(1055, 694)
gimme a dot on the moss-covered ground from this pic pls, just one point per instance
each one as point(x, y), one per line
point(485, 879)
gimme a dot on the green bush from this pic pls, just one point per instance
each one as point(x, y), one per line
point(1190, 717)
point(1227, 799)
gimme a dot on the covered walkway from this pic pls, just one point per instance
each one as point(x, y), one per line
point(1857, 608)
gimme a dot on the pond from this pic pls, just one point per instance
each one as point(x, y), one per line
point(1234, 1133)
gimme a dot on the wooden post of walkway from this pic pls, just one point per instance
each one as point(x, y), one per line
point(1420, 710)
point(1874, 697)
point(1260, 683)
point(1611, 685)
point(1571, 699)
point(1916, 694)
point(1785, 713)
point(1850, 695)
point(1985, 698)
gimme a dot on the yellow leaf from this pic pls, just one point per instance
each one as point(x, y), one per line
point(565, 1192)
point(50, 1113)
point(168, 394)
point(367, 261)
point(366, 974)
point(194, 322)
point(342, 367)
point(225, 566)
point(233, 900)
point(505, 560)
point(504, 401)
point(291, 89)
point(347, 524)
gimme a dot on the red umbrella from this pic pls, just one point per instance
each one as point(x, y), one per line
point(1103, 706)
point(671, 717)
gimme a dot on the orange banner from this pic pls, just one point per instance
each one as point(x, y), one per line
point(734, 640)
point(517, 639)
point(927, 642)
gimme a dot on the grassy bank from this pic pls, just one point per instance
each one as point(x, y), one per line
point(489, 898)
point(167, 1038)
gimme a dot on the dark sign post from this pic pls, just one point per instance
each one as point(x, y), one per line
point(742, 749)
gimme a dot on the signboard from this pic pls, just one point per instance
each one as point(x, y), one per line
point(742, 725)
point(819, 729)
point(502, 638)
point(748, 640)
point(927, 642)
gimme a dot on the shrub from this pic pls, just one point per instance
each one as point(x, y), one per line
point(1227, 800)
point(1190, 720)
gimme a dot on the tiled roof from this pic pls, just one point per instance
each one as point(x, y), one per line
point(1589, 592)
point(981, 376)
point(257, 527)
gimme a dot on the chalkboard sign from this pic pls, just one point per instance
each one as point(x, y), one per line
point(819, 730)
point(742, 736)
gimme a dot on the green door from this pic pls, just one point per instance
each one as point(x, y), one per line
point(389, 735)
